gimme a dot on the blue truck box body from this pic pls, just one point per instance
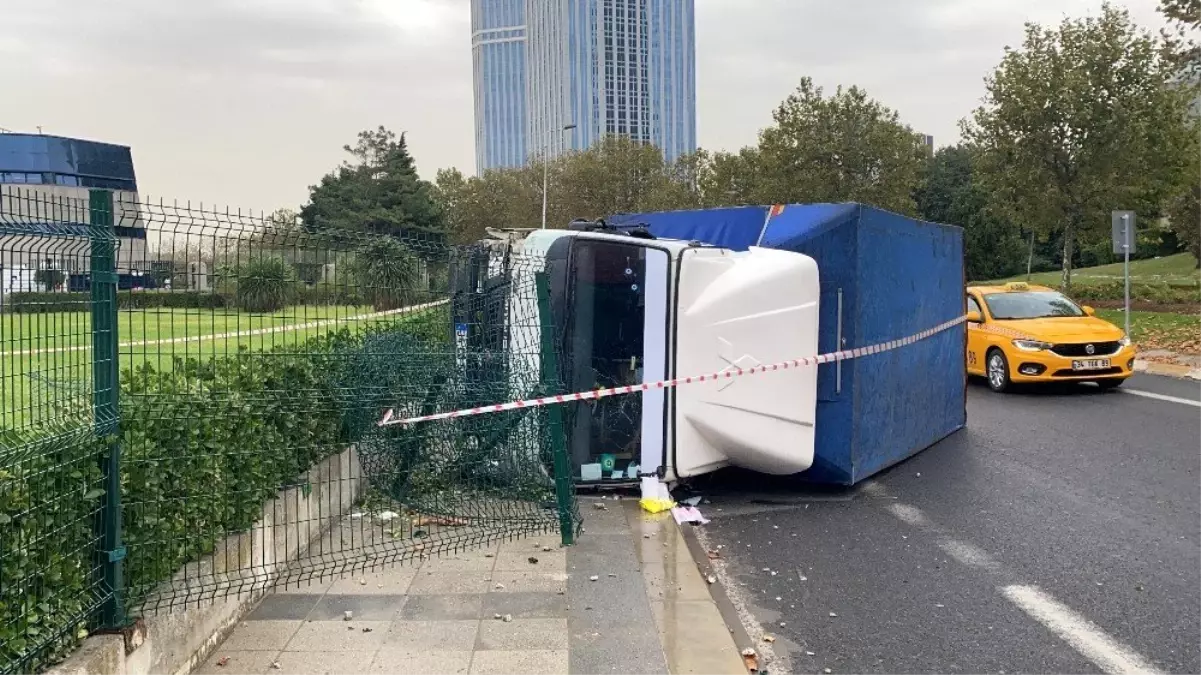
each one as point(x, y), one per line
point(896, 276)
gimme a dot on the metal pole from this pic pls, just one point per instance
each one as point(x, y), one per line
point(106, 411)
point(1126, 265)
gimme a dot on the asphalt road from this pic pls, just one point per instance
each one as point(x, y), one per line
point(1060, 532)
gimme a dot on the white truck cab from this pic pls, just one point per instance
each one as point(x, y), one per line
point(628, 308)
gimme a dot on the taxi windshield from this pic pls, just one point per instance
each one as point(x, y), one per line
point(1030, 305)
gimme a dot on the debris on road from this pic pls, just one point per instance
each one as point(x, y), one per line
point(275, 665)
point(711, 579)
point(387, 515)
point(532, 560)
point(714, 555)
point(367, 630)
point(347, 615)
point(688, 514)
point(769, 639)
point(750, 660)
point(499, 587)
point(691, 501)
point(222, 661)
point(833, 614)
point(594, 577)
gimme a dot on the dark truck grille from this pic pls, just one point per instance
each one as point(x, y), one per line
point(1081, 350)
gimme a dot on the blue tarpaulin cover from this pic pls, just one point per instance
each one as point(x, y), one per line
point(895, 276)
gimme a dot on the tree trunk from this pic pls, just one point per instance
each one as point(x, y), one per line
point(1069, 234)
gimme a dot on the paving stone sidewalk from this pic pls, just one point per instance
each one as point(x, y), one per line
point(626, 599)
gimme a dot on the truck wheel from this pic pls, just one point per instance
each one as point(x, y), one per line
point(998, 371)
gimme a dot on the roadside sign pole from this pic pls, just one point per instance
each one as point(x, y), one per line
point(1122, 235)
point(1126, 264)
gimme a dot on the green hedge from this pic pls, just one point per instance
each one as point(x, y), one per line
point(1159, 293)
point(204, 445)
point(50, 491)
point(44, 303)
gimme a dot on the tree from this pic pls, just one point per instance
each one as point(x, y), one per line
point(846, 147)
point(1080, 121)
point(1185, 217)
point(950, 193)
point(387, 273)
point(1180, 36)
point(731, 179)
point(379, 192)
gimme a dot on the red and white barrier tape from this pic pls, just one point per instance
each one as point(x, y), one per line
point(390, 418)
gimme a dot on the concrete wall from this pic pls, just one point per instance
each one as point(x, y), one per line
point(247, 565)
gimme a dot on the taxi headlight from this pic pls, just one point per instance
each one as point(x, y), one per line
point(1032, 345)
point(1124, 341)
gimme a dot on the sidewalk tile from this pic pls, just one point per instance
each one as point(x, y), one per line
point(432, 635)
point(442, 607)
point(261, 635)
point(364, 607)
point(523, 634)
point(322, 663)
point(419, 662)
point(256, 662)
point(284, 607)
point(515, 556)
point(339, 636)
point(525, 605)
point(515, 581)
point(445, 583)
point(543, 662)
point(394, 580)
point(473, 560)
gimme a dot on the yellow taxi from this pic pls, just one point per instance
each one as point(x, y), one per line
point(1018, 333)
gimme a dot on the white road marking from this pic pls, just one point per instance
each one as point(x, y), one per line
point(1162, 397)
point(909, 514)
point(969, 555)
point(1085, 637)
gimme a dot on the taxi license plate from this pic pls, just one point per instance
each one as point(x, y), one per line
point(1090, 364)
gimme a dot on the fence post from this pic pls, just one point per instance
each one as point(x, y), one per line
point(564, 484)
point(105, 387)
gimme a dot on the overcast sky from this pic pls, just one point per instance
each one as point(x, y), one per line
point(247, 102)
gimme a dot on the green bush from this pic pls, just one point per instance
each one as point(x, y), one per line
point(44, 303)
point(204, 444)
point(266, 284)
point(50, 279)
point(1158, 293)
point(388, 273)
point(50, 491)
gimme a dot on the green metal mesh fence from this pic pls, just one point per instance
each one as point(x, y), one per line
point(248, 361)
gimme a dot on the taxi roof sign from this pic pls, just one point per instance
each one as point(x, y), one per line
point(1017, 286)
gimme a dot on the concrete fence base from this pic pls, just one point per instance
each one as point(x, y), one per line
point(213, 594)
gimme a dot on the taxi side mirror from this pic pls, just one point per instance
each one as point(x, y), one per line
point(974, 317)
point(1089, 310)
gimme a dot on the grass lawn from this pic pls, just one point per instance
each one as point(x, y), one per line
point(41, 385)
point(1178, 270)
point(1180, 333)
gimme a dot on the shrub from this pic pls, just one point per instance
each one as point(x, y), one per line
point(388, 273)
point(50, 279)
point(49, 495)
point(44, 303)
point(266, 284)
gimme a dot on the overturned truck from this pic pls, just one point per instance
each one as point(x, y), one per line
point(658, 299)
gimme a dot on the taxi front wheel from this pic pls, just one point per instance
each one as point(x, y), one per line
point(998, 371)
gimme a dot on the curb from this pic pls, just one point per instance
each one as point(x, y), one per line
point(729, 614)
point(1167, 369)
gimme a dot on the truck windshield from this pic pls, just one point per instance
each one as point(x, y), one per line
point(1032, 305)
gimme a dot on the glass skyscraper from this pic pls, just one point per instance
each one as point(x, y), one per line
point(623, 67)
